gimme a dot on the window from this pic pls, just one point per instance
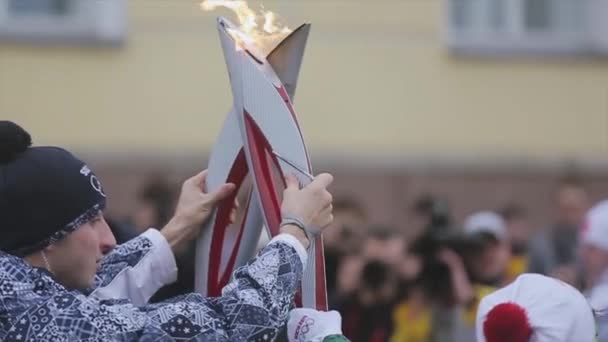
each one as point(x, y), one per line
point(537, 15)
point(526, 26)
point(40, 7)
point(63, 20)
point(497, 13)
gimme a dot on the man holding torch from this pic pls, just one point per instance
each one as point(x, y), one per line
point(62, 277)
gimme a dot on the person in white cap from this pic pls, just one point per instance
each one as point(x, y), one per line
point(478, 272)
point(594, 257)
point(535, 308)
point(489, 265)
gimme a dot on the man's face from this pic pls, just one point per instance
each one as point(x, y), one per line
point(345, 232)
point(74, 259)
point(490, 264)
point(572, 203)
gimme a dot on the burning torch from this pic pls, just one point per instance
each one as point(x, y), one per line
point(260, 140)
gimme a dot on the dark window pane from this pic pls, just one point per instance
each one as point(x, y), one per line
point(461, 14)
point(497, 12)
point(36, 7)
point(569, 14)
point(537, 14)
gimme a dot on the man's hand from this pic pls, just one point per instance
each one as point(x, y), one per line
point(461, 285)
point(312, 204)
point(193, 208)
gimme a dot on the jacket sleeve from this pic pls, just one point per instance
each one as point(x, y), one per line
point(136, 269)
point(252, 308)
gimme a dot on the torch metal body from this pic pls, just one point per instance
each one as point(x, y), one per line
point(260, 140)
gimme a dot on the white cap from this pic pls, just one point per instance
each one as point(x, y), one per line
point(595, 226)
point(486, 222)
point(549, 309)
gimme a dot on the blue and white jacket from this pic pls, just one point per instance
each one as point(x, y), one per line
point(34, 307)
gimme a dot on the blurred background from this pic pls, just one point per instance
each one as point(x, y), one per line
point(426, 111)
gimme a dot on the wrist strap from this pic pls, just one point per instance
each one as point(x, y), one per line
point(310, 232)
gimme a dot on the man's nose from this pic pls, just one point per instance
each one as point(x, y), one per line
point(107, 242)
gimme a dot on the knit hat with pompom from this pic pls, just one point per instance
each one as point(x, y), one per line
point(45, 192)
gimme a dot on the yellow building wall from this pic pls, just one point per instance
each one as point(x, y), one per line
point(376, 79)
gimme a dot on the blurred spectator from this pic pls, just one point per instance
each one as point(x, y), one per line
point(433, 308)
point(348, 277)
point(519, 231)
point(367, 314)
point(412, 314)
point(374, 287)
point(345, 236)
point(554, 252)
point(155, 203)
point(433, 275)
point(123, 231)
point(348, 227)
point(412, 318)
point(454, 320)
point(385, 244)
point(427, 212)
point(489, 261)
point(425, 280)
point(475, 273)
point(458, 270)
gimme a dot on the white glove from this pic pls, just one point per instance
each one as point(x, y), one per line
point(308, 325)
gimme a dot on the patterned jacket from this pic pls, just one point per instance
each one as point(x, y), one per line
point(34, 307)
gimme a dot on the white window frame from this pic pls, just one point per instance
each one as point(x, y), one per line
point(515, 39)
point(92, 21)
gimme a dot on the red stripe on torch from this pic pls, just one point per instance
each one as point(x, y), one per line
point(236, 176)
point(258, 147)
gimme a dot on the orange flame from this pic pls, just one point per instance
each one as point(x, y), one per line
point(264, 36)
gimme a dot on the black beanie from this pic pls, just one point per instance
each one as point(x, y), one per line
point(45, 193)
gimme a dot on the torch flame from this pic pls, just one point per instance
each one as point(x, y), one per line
point(269, 25)
point(264, 37)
